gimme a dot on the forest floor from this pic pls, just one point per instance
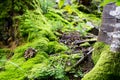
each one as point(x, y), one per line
point(79, 44)
point(61, 40)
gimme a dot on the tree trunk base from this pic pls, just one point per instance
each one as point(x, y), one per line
point(107, 67)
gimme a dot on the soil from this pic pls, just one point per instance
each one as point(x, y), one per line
point(74, 40)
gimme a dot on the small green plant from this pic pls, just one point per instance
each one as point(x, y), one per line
point(45, 72)
point(46, 4)
point(57, 26)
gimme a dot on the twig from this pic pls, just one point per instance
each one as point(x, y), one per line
point(83, 58)
point(80, 42)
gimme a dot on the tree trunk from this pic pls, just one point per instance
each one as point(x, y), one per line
point(108, 65)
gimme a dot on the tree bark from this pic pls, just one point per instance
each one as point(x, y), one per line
point(108, 65)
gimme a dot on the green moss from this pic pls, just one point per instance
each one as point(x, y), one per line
point(54, 68)
point(11, 75)
point(43, 72)
point(5, 7)
point(39, 45)
point(107, 67)
point(48, 34)
point(35, 30)
point(4, 52)
point(55, 47)
point(18, 67)
point(99, 47)
point(41, 66)
point(86, 44)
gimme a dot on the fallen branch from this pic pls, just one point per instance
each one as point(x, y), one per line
point(80, 60)
point(83, 58)
point(80, 42)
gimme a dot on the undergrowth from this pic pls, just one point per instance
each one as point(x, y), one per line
point(38, 26)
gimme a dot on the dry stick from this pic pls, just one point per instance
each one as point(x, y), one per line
point(80, 42)
point(83, 58)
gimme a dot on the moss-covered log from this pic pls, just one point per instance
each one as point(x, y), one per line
point(107, 66)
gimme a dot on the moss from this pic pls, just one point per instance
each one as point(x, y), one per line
point(9, 10)
point(55, 47)
point(4, 55)
point(11, 75)
point(39, 45)
point(5, 7)
point(48, 34)
point(19, 65)
point(54, 68)
point(107, 67)
point(99, 47)
point(68, 61)
point(4, 52)
point(35, 29)
point(43, 72)
point(17, 68)
point(86, 44)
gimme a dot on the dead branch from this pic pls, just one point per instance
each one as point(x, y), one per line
point(83, 58)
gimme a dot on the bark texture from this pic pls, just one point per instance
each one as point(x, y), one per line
point(107, 59)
